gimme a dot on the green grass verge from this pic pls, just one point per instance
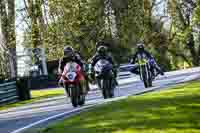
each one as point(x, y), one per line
point(175, 110)
point(36, 95)
point(46, 93)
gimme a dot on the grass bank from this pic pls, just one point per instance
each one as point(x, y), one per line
point(36, 95)
point(175, 110)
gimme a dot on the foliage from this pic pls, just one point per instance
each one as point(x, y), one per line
point(184, 22)
point(81, 23)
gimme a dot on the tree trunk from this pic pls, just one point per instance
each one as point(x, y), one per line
point(110, 20)
point(199, 53)
point(193, 52)
point(8, 42)
point(33, 9)
point(12, 38)
point(3, 70)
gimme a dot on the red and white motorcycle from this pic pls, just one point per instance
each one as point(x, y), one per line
point(72, 75)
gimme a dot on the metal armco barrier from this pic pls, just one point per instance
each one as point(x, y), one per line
point(8, 92)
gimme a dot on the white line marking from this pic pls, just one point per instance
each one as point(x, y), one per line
point(50, 118)
point(66, 113)
point(74, 110)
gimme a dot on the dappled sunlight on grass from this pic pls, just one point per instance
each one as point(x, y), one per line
point(171, 130)
point(174, 110)
point(47, 93)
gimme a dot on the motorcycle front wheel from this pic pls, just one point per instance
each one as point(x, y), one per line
point(107, 89)
point(74, 96)
point(81, 100)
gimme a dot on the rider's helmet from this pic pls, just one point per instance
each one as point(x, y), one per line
point(102, 50)
point(68, 52)
point(100, 43)
point(140, 46)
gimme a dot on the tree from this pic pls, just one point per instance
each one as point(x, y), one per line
point(81, 23)
point(8, 38)
point(182, 13)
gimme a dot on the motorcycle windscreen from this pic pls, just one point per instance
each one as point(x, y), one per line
point(72, 67)
point(100, 65)
point(142, 59)
point(70, 71)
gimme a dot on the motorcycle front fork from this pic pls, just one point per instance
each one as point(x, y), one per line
point(67, 90)
point(100, 83)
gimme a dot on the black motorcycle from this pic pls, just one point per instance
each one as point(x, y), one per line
point(105, 77)
point(145, 73)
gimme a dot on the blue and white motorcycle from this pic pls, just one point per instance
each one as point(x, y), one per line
point(105, 77)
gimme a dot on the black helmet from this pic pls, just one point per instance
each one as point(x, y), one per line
point(102, 50)
point(68, 51)
point(140, 46)
point(99, 43)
